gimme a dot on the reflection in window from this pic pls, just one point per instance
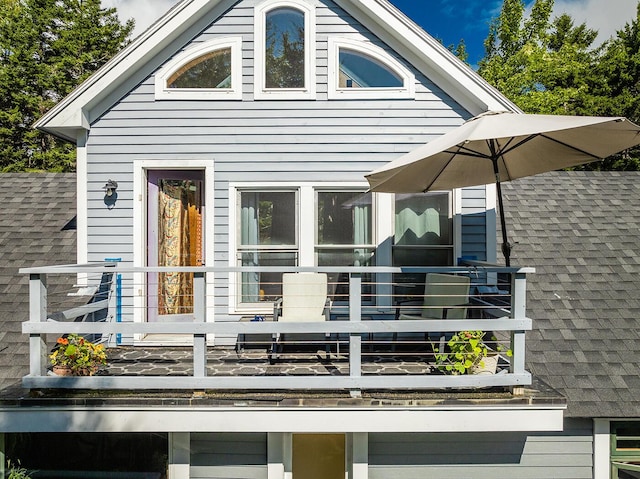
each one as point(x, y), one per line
point(285, 48)
point(423, 235)
point(358, 70)
point(267, 238)
point(345, 236)
point(212, 70)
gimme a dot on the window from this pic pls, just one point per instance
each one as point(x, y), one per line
point(211, 70)
point(344, 235)
point(423, 234)
point(284, 50)
point(267, 237)
point(361, 70)
point(625, 450)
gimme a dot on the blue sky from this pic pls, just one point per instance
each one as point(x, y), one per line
point(447, 20)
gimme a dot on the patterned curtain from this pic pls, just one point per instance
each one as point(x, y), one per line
point(179, 244)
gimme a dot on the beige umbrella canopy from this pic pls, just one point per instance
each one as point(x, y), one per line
point(503, 146)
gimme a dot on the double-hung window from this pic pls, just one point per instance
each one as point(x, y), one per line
point(344, 235)
point(267, 237)
point(423, 234)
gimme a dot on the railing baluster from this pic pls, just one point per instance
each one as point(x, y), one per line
point(37, 314)
point(200, 316)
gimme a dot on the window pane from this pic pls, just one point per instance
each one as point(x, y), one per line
point(267, 218)
point(344, 218)
point(358, 70)
point(339, 282)
point(264, 286)
point(285, 48)
point(423, 219)
point(212, 70)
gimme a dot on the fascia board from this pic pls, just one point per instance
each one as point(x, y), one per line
point(70, 112)
point(428, 55)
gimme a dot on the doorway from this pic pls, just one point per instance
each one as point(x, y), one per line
point(175, 237)
point(318, 456)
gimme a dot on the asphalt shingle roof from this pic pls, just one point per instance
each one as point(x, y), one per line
point(35, 208)
point(581, 231)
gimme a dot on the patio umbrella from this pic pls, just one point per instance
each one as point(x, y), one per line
point(503, 146)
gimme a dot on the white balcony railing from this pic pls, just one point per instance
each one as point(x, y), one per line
point(355, 319)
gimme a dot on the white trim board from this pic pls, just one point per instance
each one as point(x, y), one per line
point(263, 419)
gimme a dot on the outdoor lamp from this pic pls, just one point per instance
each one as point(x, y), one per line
point(110, 187)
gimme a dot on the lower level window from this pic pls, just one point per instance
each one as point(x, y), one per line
point(625, 450)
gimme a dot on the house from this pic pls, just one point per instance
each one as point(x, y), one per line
point(231, 140)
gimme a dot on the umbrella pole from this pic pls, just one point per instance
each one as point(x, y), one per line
point(506, 246)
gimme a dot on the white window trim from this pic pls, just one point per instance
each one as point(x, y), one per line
point(309, 90)
point(306, 226)
point(408, 91)
point(233, 93)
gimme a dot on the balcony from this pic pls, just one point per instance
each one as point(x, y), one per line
point(361, 346)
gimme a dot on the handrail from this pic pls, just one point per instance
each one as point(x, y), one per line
point(217, 323)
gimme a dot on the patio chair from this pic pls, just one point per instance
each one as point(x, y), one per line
point(304, 299)
point(445, 297)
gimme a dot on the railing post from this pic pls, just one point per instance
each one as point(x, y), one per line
point(518, 311)
point(355, 339)
point(37, 314)
point(199, 316)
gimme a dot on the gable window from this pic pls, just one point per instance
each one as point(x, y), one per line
point(284, 50)
point(362, 70)
point(211, 70)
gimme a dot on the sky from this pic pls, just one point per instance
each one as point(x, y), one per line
point(447, 20)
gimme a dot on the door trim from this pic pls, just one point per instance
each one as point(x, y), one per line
point(140, 168)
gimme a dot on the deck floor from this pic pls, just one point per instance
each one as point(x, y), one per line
point(251, 361)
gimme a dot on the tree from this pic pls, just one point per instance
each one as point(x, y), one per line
point(552, 67)
point(47, 48)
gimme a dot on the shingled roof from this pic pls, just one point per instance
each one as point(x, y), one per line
point(36, 228)
point(581, 231)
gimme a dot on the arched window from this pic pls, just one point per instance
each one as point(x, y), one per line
point(211, 70)
point(362, 70)
point(284, 46)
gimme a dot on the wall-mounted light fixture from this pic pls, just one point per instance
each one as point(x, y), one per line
point(110, 187)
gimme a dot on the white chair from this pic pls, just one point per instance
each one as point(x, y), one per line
point(304, 300)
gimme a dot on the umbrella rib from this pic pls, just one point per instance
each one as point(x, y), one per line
point(575, 148)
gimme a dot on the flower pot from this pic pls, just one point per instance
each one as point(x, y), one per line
point(67, 371)
point(62, 371)
point(488, 365)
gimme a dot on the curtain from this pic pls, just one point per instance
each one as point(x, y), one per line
point(249, 236)
point(179, 244)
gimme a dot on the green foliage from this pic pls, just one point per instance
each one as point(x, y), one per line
point(47, 48)
point(80, 355)
point(467, 350)
point(16, 471)
point(552, 67)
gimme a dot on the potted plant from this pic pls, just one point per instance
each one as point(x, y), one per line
point(76, 356)
point(16, 471)
point(468, 354)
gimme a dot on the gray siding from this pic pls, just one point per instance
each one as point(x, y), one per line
point(321, 140)
point(565, 455)
point(228, 456)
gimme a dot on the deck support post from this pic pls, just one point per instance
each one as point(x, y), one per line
point(518, 311)
point(37, 314)
point(355, 340)
point(200, 316)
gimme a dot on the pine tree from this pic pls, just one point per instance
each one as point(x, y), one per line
point(47, 48)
